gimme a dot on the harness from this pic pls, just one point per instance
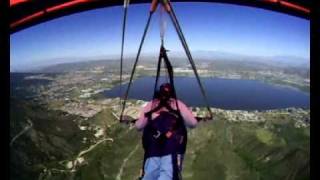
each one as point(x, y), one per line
point(166, 134)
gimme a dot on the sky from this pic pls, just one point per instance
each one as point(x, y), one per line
point(206, 26)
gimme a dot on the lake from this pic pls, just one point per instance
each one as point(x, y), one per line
point(229, 94)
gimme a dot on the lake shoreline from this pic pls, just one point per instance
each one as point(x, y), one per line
point(229, 94)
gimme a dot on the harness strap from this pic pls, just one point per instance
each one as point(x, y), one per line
point(164, 103)
point(170, 72)
point(163, 55)
point(175, 166)
point(158, 73)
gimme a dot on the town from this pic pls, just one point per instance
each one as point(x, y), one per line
point(79, 92)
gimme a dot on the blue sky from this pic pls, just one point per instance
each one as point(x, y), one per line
point(206, 26)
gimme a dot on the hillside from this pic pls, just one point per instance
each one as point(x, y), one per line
point(54, 148)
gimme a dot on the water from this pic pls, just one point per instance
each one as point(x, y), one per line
point(222, 93)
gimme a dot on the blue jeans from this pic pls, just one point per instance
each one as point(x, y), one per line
point(160, 168)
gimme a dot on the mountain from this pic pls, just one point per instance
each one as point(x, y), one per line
point(291, 61)
point(198, 55)
point(281, 61)
point(41, 64)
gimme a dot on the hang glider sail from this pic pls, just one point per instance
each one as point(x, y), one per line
point(26, 13)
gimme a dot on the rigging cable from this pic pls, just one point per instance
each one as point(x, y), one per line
point(187, 51)
point(125, 6)
point(152, 9)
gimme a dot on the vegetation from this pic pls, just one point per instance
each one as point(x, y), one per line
point(217, 149)
point(53, 137)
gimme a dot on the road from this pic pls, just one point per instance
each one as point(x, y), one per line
point(124, 163)
point(25, 129)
